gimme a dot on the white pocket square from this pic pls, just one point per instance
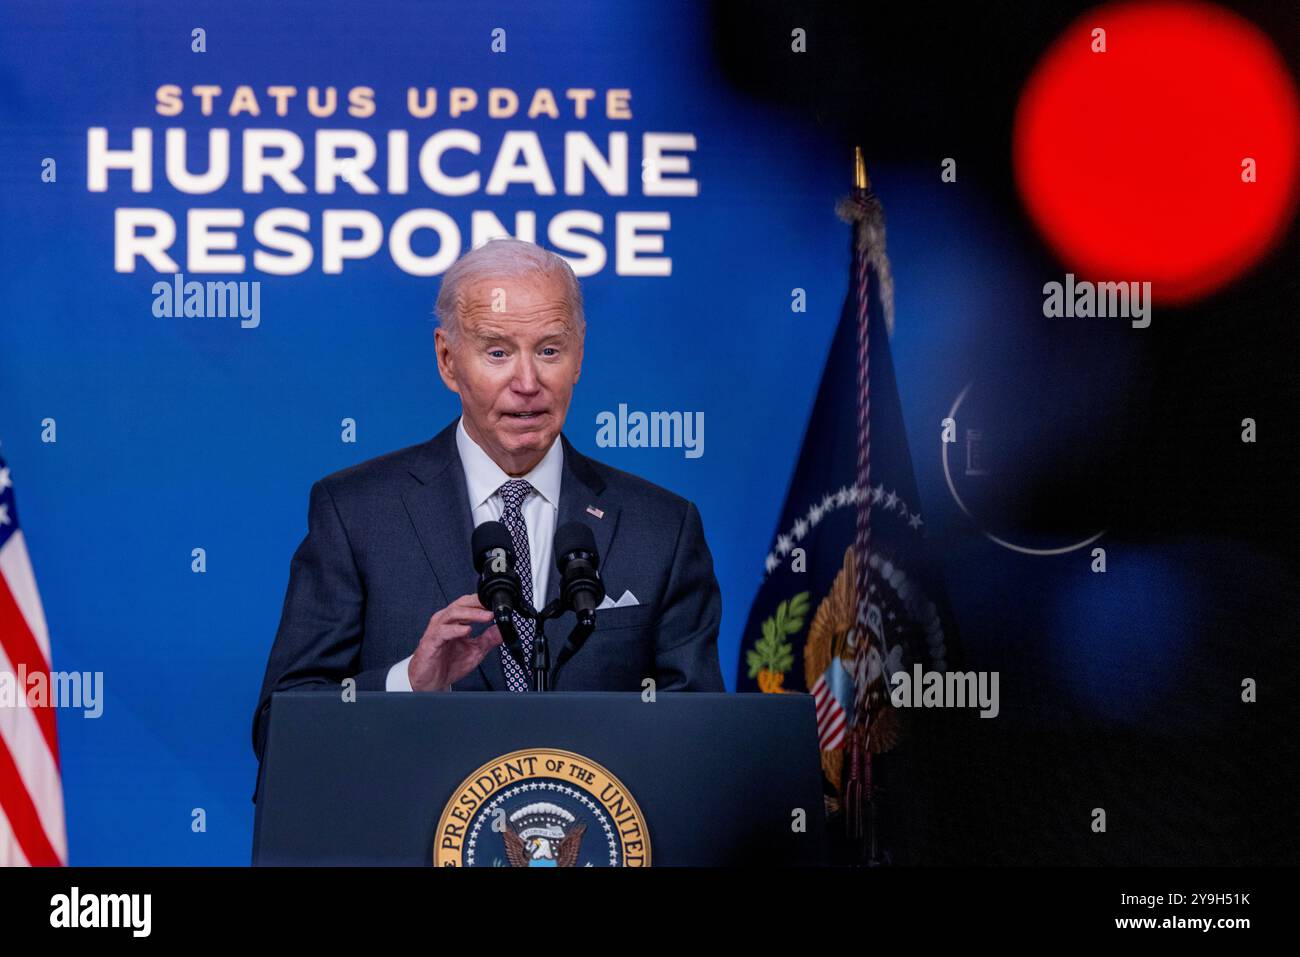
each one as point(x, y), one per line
point(627, 600)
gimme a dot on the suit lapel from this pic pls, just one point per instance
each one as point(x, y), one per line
point(439, 510)
point(582, 489)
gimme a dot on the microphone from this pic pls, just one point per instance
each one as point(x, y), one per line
point(499, 588)
point(581, 588)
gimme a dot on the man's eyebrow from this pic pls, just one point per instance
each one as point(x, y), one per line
point(492, 335)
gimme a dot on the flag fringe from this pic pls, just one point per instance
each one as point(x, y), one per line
point(863, 211)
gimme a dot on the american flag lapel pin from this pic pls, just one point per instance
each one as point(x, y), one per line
point(592, 510)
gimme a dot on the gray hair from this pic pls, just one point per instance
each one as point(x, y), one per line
point(504, 258)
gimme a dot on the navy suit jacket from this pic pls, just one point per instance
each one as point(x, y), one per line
point(388, 544)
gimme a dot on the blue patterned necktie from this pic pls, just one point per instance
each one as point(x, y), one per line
point(513, 494)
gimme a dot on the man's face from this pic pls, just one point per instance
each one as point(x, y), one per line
point(513, 363)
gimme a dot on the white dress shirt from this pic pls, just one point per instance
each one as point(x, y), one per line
point(483, 479)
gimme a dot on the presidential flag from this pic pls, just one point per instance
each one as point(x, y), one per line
point(849, 595)
point(31, 789)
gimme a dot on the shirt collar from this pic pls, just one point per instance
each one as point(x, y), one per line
point(483, 477)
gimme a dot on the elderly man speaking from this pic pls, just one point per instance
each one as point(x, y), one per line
point(382, 589)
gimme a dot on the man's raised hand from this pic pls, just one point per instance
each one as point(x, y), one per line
point(446, 652)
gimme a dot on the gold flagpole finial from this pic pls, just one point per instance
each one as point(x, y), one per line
point(860, 180)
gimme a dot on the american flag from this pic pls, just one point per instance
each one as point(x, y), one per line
point(832, 714)
point(31, 788)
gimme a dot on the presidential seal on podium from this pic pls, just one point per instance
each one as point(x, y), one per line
point(541, 807)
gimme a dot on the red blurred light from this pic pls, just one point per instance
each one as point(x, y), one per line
point(1130, 161)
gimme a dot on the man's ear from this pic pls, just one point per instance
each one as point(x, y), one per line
point(446, 361)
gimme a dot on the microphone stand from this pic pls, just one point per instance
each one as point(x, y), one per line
point(541, 653)
point(541, 663)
